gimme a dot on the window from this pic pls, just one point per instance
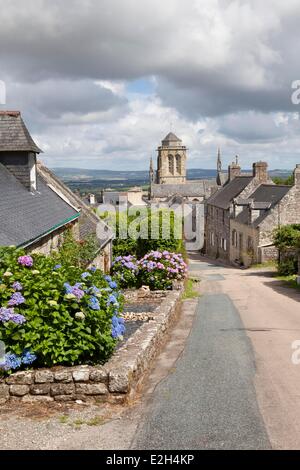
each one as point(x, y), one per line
point(223, 244)
point(171, 164)
point(250, 244)
point(178, 164)
point(234, 238)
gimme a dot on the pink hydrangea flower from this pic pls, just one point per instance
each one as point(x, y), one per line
point(25, 261)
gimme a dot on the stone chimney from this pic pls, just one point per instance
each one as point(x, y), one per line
point(260, 171)
point(233, 170)
point(297, 175)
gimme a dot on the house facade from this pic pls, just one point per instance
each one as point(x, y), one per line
point(255, 218)
point(219, 207)
point(36, 208)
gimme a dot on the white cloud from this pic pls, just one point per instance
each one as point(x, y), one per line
point(222, 71)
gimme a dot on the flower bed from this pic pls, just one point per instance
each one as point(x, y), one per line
point(53, 314)
point(115, 382)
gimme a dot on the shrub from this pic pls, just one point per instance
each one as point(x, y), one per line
point(159, 231)
point(76, 253)
point(125, 271)
point(158, 269)
point(288, 267)
point(54, 314)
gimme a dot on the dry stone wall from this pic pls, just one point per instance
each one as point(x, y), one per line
point(114, 382)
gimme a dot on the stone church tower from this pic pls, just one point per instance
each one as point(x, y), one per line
point(171, 161)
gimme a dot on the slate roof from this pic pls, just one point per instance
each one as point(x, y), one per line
point(223, 197)
point(222, 178)
point(265, 197)
point(170, 138)
point(14, 135)
point(193, 189)
point(24, 216)
point(89, 222)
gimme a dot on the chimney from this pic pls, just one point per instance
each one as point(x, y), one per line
point(17, 149)
point(297, 175)
point(233, 170)
point(92, 199)
point(260, 171)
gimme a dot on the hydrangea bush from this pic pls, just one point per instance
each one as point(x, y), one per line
point(51, 314)
point(157, 269)
point(125, 270)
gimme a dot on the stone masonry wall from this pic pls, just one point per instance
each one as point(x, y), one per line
point(115, 382)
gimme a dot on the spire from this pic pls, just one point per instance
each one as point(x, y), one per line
point(219, 161)
point(151, 171)
point(236, 159)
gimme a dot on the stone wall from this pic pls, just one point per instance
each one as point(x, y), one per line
point(217, 223)
point(115, 382)
point(239, 246)
point(53, 241)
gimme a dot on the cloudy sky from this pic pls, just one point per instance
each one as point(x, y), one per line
point(101, 82)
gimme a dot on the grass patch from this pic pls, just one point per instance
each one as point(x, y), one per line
point(63, 419)
point(267, 264)
point(96, 421)
point(289, 281)
point(189, 291)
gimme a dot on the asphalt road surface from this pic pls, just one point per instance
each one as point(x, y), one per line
point(209, 401)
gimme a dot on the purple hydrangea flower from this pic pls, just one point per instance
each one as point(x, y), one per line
point(5, 314)
point(25, 261)
point(17, 286)
point(16, 299)
point(17, 319)
point(58, 266)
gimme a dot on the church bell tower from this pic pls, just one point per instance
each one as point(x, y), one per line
point(171, 161)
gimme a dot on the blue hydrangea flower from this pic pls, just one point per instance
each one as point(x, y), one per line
point(113, 285)
point(118, 327)
point(58, 266)
point(112, 299)
point(94, 290)
point(68, 288)
point(94, 303)
point(93, 269)
point(11, 362)
point(108, 278)
point(28, 357)
point(85, 275)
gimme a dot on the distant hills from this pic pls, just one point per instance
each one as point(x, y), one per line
point(84, 175)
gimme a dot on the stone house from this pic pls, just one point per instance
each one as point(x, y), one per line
point(255, 218)
point(36, 208)
point(219, 207)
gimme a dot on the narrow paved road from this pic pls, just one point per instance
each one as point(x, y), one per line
point(234, 385)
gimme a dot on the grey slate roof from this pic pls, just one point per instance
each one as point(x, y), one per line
point(89, 222)
point(170, 138)
point(223, 197)
point(265, 195)
point(193, 189)
point(24, 216)
point(14, 135)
